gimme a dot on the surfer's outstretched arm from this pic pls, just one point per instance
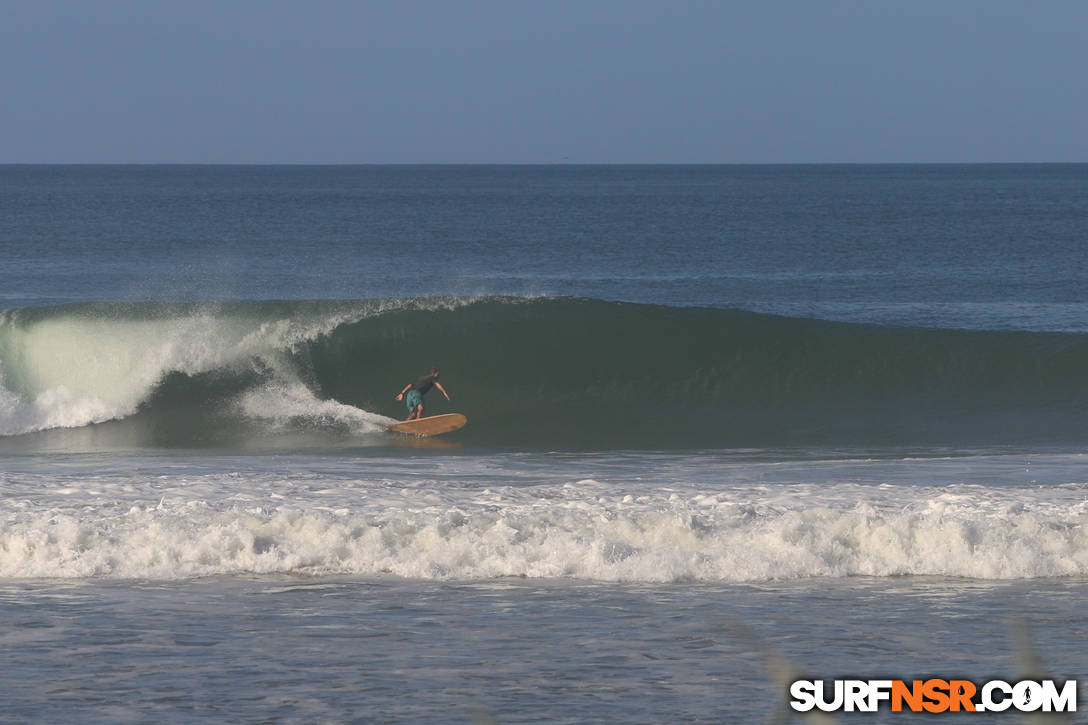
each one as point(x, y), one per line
point(409, 387)
point(439, 386)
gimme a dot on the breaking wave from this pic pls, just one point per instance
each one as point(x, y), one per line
point(538, 373)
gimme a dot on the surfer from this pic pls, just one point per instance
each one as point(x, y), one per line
point(416, 390)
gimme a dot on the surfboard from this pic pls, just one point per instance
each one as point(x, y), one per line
point(430, 426)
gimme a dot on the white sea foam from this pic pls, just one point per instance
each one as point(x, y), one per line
point(457, 524)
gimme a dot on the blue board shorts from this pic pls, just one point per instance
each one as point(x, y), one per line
point(413, 400)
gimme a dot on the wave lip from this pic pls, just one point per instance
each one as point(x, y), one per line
point(78, 365)
point(84, 365)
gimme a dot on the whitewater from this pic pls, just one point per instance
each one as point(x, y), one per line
point(639, 519)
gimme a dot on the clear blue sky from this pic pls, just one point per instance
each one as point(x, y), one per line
point(514, 81)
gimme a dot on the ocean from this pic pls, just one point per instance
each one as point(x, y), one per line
point(728, 426)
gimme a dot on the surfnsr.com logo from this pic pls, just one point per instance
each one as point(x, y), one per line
point(933, 695)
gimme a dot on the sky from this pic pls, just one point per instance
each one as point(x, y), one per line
point(544, 81)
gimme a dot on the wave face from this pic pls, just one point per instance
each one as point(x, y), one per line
point(536, 373)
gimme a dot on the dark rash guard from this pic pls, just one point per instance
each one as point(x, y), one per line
point(423, 384)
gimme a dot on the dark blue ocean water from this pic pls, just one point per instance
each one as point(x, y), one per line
point(836, 413)
point(974, 246)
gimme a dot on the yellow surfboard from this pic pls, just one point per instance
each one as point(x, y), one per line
point(430, 426)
